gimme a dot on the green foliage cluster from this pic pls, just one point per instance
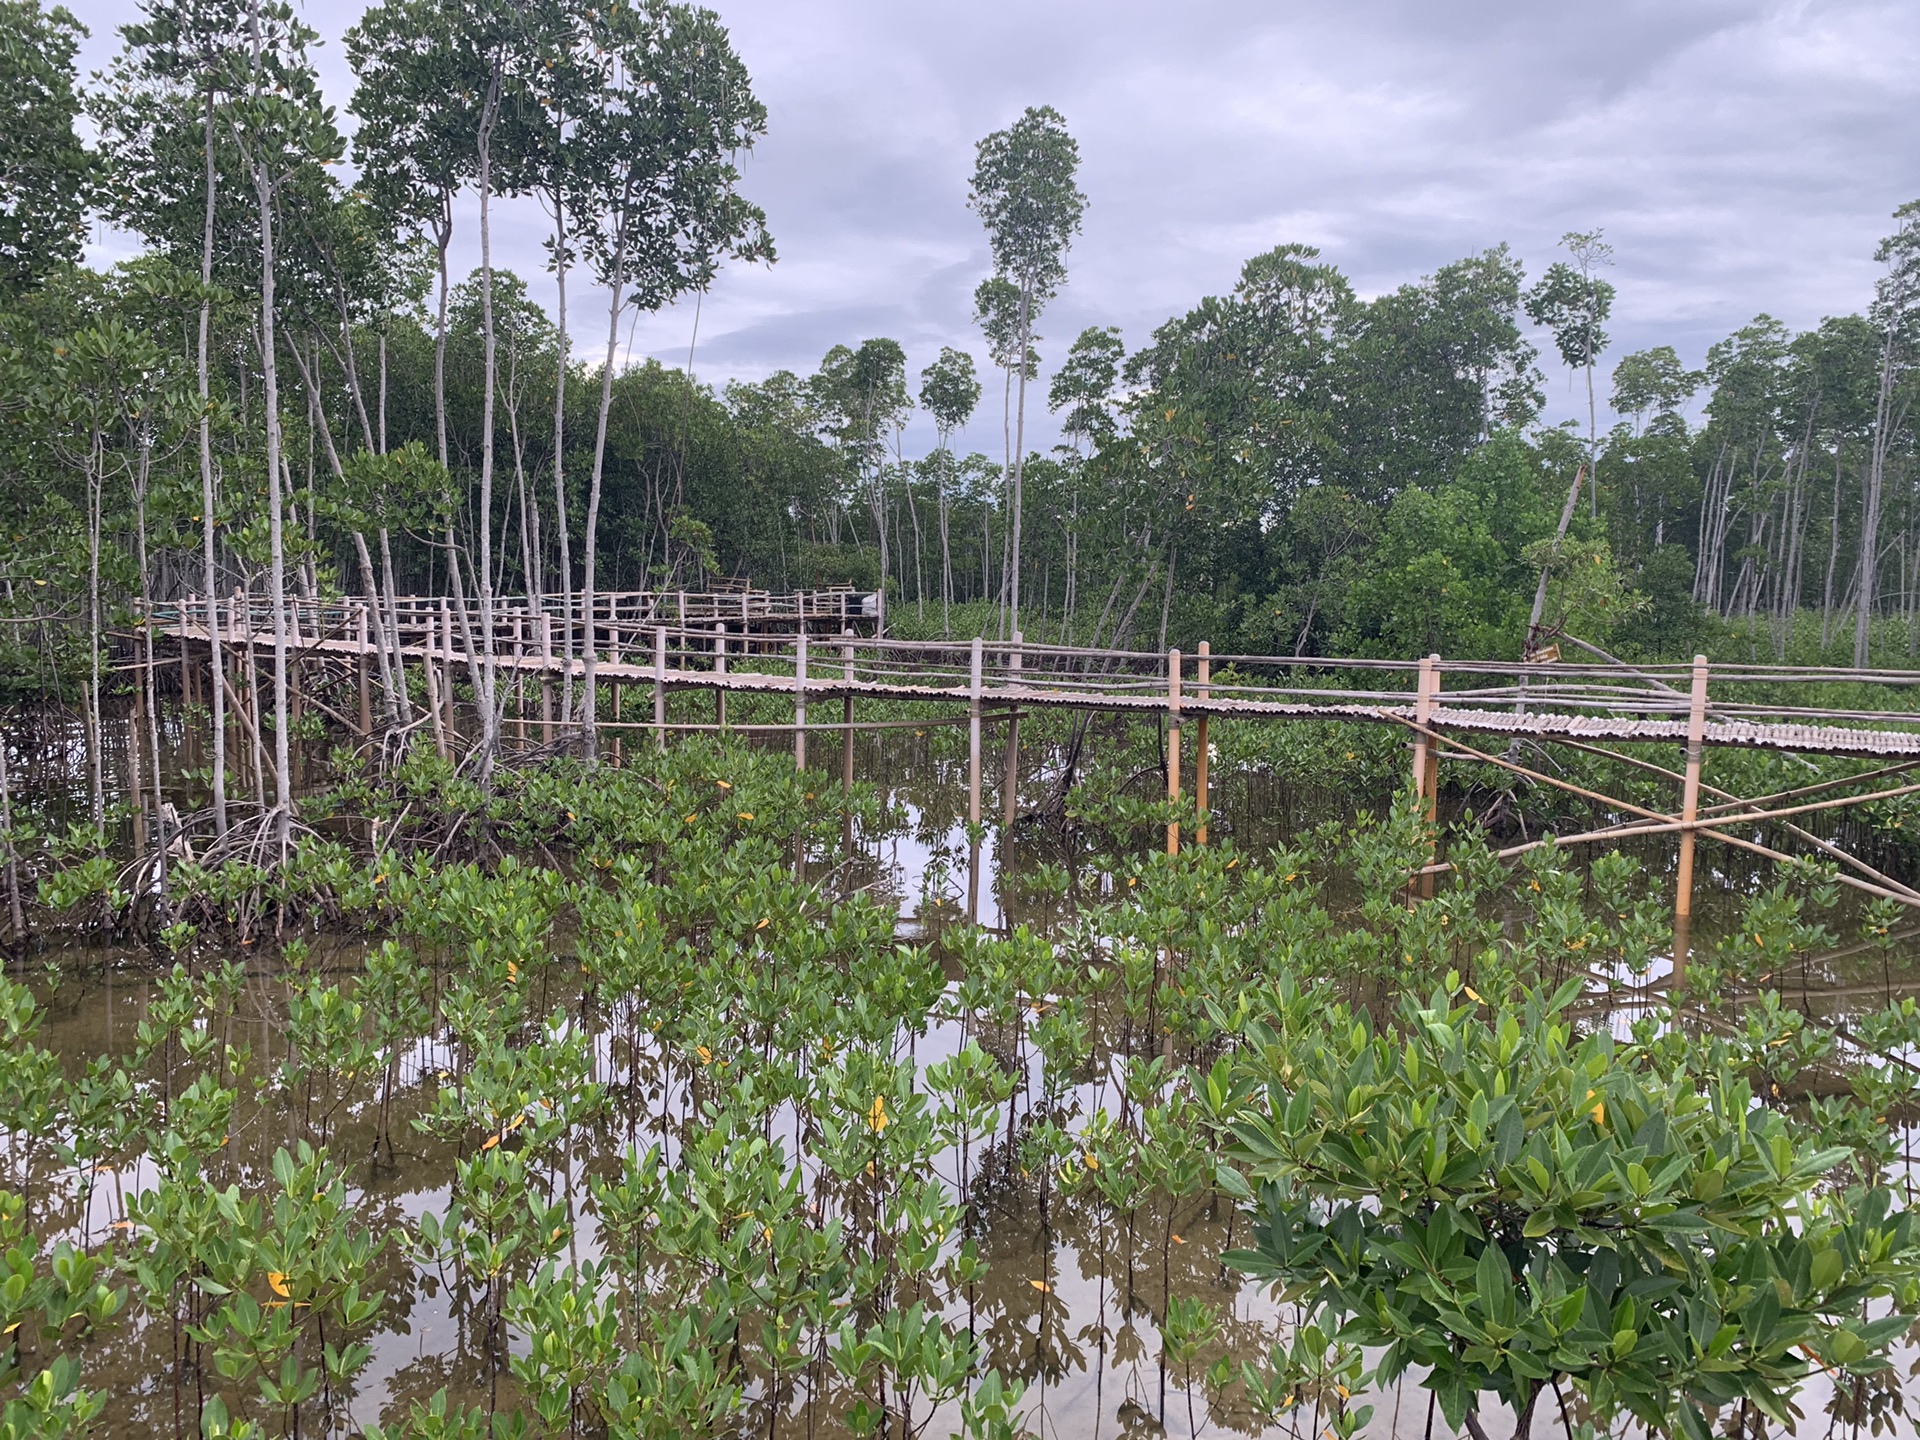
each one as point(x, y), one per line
point(711, 1147)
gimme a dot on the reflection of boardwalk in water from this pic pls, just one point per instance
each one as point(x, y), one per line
point(356, 655)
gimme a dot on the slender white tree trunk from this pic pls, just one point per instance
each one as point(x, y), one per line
point(489, 674)
point(560, 454)
point(1870, 516)
point(208, 558)
point(1019, 460)
point(589, 737)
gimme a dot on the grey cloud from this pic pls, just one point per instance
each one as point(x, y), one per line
point(1741, 157)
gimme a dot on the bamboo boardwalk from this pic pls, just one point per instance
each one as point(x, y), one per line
point(807, 649)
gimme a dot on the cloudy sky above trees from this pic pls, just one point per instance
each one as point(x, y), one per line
point(1741, 157)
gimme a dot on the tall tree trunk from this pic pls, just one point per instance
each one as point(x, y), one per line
point(489, 673)
point(149, 693)
point(263, 185)
point(878, 503)
point(443, 237)
point(1833, 551)
point(384, 654)
point(96, 771)
point(589, 736)
point(208, 557)
point(1870, 510)
point(393, 625)
point(946, 540)
point(1019, 456)
point(560, 453)
point(919, 578)
point(383, 392)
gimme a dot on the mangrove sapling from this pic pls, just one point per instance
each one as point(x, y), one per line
point(327, 1044)
point(572, 1340)
point(102, 1129)
point(31, 1091)
point(397, 990)
point(1186, 1329)
point(495, 1228)
point(1489, 1145)
point(55, 1304)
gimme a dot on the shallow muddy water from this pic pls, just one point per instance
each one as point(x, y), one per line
point(1075, 1296)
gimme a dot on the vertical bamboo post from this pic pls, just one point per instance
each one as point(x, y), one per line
point(252, 652)
point(847, 675)
point(446, 674)
point(295, 694)
point(1173, 748)
point(1422, 713)
point(136, 784)
point(1425, 756)
point(846, 712)
point(520, 674)
point(186, 668)
point(615, 703)
point(1200, 757)
point(546, 678)
point(362, 644)
point(800, 700)
point(433, 698)
point(973, 780)
point(660, 688)
point(1010, 766)
point(1689, 814)
point(720, 669)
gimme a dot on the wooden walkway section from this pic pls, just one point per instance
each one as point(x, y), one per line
point(807, 649)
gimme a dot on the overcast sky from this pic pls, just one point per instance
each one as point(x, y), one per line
point(1740, 157)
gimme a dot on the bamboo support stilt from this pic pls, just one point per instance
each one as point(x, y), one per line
point(846, 743)
point(361, 639)
point(1689, 813)
point(1010, 765)
point(446, 671)
point(720, 669)
point(434, 707)
point(846, 715)
point(186, 666)
point(660, 688)
point(546, 678)
point(1426, 759)
point(1201, 759)
point(973, 781)
point(520, 676)
point(800, 700)
point(1173, 748)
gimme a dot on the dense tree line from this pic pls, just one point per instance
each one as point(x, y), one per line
point(289, 392)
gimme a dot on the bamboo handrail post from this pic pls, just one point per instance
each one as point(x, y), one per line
point(973, 780)
point(1689, 814)
point(1010, 767)
point(520, 674)
point(660, 688)
point(720, 669)
point(433, 703)
point(360, 665)
point(546, 677)
point(1200, 756)
point(846, 747)
point(800, 699)
point(1425, 688)
point(186, 669)
point(446, 678)
point(1173, 749)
